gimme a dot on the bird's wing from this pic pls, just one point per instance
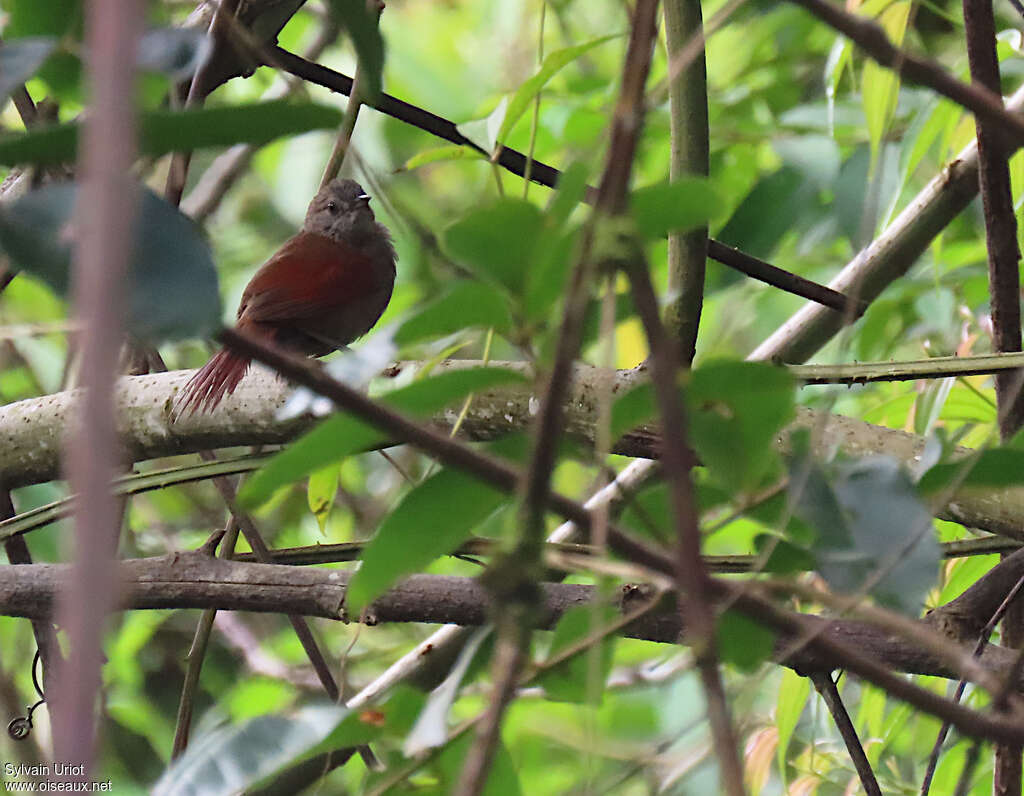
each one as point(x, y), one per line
point(309, 274)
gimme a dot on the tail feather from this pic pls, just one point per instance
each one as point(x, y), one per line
point(207, 388)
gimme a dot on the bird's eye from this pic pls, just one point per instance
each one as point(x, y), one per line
point(332, 206)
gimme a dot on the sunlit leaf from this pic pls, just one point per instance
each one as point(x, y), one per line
point(793, 693)
point(320, 492)
point(439, 154)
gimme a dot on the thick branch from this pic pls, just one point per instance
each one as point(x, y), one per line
point(198, 581)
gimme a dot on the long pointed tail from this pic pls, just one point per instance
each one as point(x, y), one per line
point(211, 383)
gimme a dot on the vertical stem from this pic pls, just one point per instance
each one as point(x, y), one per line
point(1004, 289)
point(688, 111)
point(104, 218)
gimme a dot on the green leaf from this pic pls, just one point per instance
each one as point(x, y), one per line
point(784, 558)
point(441, 153)
point(342, 435)
point(233, 759)
point(874, 533)
point(879, 85)
point(793, 693)
point(362, 25)
point(61, 19)
point(996, 467)
point(173, 290)
point(770, 210)
point(633, 408)
point(320, 492)
point(497, 241)
point(582, 677)
point(678, 206)
point(504, 777)
point(553, 63)
point(572, 187)
point(165, 131)
point(742, 641)
point(464, 305)
point(422, 527)
point(22, 58)
point(736, 409)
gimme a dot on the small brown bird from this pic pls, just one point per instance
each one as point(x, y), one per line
point(325, 287)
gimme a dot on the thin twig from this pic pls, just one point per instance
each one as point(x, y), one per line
point(543, 174)
point(104, 216)
point(826, 687)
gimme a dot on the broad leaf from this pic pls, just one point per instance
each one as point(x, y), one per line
point(22, 58)
point(464, 305)
point(422, 527)
point(736, 409)
point(743, 642)
point(342, 435)
point(173, 284)
point(233, 759)
point(997, 467)
point(498, 241)
point(677, 206)
point(874, 534)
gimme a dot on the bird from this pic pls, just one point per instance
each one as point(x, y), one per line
point(325, 287)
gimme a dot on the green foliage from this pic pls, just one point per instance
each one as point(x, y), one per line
point(582, 677)
point(361, 22)
point(874, 534)
point(173, 285)
point(21, 59)
point(342, 435)
point(162, 131)
point(742, 641)
point(418, 530)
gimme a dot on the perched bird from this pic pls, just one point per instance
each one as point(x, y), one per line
point(324, 287)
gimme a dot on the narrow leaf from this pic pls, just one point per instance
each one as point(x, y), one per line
point(342, 435)
point(165, 131)
point(553, 63)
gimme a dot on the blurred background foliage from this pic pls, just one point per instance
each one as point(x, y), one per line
point(813, 151)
